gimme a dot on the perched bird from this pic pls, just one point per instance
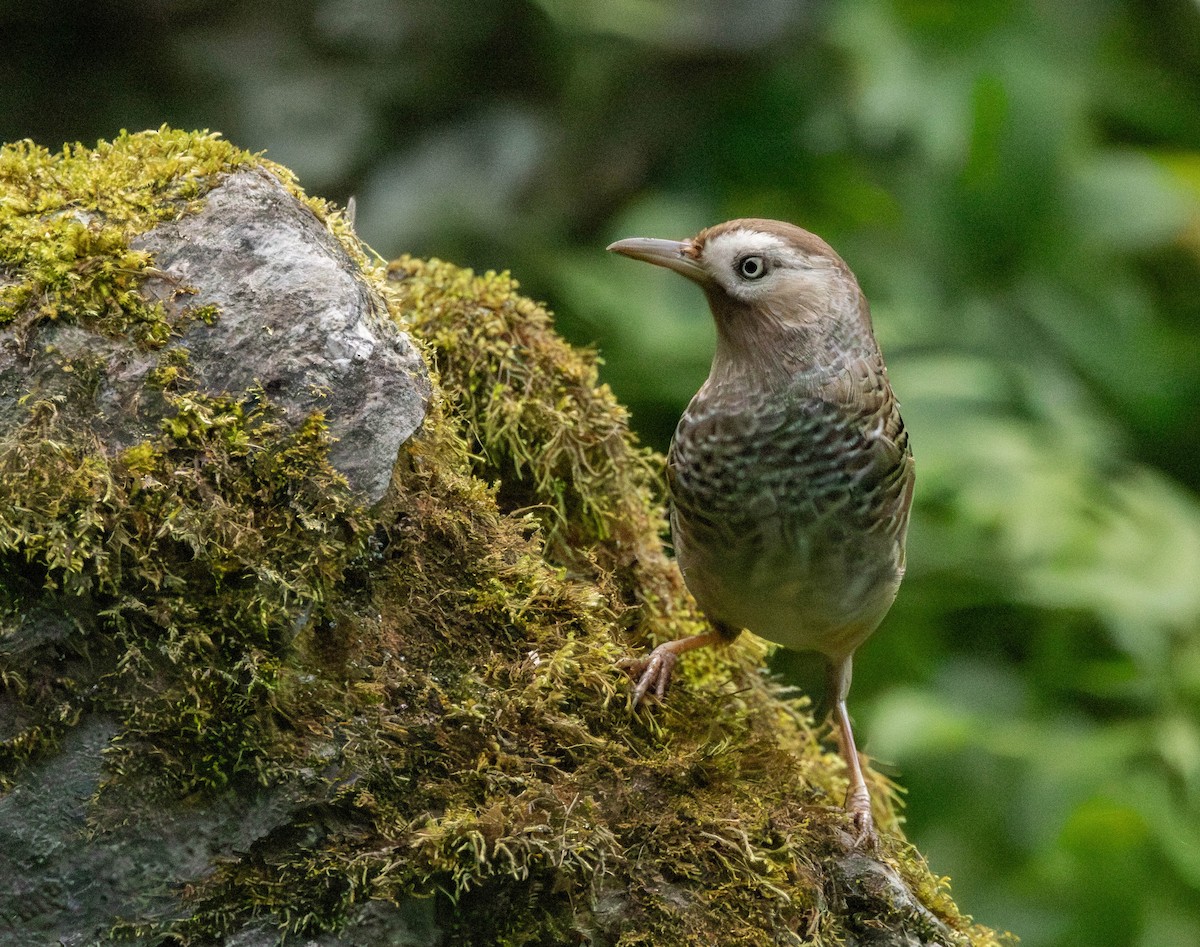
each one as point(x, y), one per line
point(790, 475)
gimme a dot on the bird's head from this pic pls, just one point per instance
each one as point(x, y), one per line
point(781, 297)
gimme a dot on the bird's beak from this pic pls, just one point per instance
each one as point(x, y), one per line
point(673, 254)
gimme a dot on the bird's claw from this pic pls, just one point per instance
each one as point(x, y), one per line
point(653, 672)
point(858, 805)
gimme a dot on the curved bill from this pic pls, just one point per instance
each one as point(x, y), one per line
point(673, 254)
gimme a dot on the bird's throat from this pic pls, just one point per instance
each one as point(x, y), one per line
point(763, 349)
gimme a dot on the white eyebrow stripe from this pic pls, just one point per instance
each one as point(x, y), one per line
point(728, 246)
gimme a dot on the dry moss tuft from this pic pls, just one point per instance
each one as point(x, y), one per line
point(431, 681)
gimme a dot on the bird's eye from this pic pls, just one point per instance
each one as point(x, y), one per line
point(752, 267)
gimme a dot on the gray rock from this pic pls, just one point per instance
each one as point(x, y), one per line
point(68, 872)
point(872, 889)
point(64, 884)
point(295, 318)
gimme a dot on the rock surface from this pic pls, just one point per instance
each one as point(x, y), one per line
point(294, 317)
point(66, 885)
point(67, 888)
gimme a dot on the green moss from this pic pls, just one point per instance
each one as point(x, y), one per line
point(552, 438)
point(432, 681)
point(66, 220)
point(497, 765)
point(199, 548)
point(542, 426)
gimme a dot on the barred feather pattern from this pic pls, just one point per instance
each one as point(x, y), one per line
point(790, 509)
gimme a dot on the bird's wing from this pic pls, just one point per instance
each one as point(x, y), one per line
point(867, 434)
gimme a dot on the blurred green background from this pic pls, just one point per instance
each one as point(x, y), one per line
point(1017, 186)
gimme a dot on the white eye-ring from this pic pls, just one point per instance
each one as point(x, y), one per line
point(751, 267)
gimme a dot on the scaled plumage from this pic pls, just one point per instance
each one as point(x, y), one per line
point(790, 473)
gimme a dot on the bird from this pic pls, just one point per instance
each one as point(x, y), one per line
point(790, 475)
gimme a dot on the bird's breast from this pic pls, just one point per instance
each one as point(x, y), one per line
point(789, 510)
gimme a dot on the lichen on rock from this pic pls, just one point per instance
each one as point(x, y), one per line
point(400, 716)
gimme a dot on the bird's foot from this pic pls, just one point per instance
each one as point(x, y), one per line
point(858, 806)
point(653, 672)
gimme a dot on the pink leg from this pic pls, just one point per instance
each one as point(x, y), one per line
point(858, 799)
point(654, 670)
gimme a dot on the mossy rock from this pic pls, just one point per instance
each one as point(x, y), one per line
point(244, 699)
